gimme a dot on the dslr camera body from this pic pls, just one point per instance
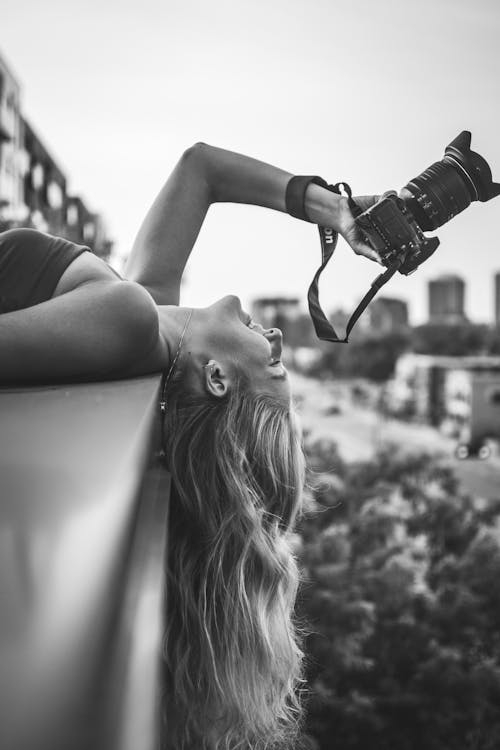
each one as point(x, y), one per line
point(395, 225)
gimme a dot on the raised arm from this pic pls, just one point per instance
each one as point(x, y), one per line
point(205, 175)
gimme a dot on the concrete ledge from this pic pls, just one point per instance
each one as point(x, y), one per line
point(83, 522)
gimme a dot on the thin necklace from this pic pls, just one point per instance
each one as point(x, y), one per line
point(166, 378)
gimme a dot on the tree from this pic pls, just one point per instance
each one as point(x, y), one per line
point(402, 593)
point(371, 357)
point(453, 340)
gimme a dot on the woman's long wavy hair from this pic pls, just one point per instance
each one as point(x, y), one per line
point(233, 654)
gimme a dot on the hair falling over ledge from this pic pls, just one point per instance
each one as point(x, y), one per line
point(232, 648)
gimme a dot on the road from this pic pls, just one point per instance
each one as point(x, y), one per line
point(358, 432)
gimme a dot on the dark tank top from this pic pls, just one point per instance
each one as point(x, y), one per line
point(31, 264)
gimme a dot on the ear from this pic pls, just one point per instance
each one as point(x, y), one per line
point(216, 379)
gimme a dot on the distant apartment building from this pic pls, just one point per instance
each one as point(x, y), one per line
point(446, 299)
point(387, 314)
point(275, 311)
point(497, 299)
point(44, 185)
point(11, 158)
point(50, 208)
point(85, 227)
point(472, 401)
point(459, 394)
point(33, 187)
point(285, 313)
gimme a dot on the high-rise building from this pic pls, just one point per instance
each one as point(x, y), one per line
point(446, 299)
point(12, 165)
point(497, 299)
point(387, 314)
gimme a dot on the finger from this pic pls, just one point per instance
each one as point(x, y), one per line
point(373, 255)
point(361, 247)
point(367, 201)
point(368, 252)
point(388, 193)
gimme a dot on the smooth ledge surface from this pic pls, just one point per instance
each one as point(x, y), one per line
point(72, 460)
point(62, 446)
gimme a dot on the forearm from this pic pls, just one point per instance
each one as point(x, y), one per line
point(205, 175)
point(235, 178)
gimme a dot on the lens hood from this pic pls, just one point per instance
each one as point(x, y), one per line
point(475, 168)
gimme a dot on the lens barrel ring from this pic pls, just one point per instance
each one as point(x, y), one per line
point(439, 193)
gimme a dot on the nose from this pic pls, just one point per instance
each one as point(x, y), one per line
point(275, 338)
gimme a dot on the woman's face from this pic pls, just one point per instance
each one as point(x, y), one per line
point(229, 336)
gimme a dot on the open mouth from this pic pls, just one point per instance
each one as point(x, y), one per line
point(249, 322)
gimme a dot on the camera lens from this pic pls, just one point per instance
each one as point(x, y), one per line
point(448, 186)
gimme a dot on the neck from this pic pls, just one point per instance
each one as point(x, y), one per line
point(172, 320)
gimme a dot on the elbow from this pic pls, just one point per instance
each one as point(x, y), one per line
point(198, 161)
point(199, 148)
point(197, 154)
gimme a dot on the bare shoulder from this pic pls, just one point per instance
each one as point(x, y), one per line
point(140, 325)
point(130, 310)
point(133, 305)
point(101, 328)
point(83, 269)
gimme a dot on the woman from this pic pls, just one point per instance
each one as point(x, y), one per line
point(232, 648)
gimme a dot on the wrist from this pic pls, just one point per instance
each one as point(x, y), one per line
point(324, 207)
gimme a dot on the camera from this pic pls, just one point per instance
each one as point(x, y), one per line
point(395, 225)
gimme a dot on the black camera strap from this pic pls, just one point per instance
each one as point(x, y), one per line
point(294, 199)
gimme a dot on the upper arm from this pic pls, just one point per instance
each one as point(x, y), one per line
point(94, 329)
point(170, 228)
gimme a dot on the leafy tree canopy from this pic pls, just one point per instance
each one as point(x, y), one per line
point(402, 592)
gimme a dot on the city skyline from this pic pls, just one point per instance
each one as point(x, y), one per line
point(325, 88)
point(493, 320)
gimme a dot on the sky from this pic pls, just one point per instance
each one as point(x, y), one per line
point(365, 92)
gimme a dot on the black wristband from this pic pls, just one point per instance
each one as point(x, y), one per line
point(296, 192)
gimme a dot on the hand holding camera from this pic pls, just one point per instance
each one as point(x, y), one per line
point(394, 226)
point(390, 229)
point(351, 232)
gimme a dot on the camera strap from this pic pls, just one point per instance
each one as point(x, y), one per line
point(295, 205)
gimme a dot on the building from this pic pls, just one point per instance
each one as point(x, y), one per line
point(12, 165)
point(472, 402)
point(285, 313)
point(446, 300)
point(387, 314)
point(44, 185)
point(458, 394)
point(85, 227)
point(279, 312)
point(33, 187)
point(497, 299)
point(49, 206)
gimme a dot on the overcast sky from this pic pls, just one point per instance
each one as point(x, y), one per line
point(369, 92)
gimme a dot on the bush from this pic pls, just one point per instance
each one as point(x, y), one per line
point(402, 592)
